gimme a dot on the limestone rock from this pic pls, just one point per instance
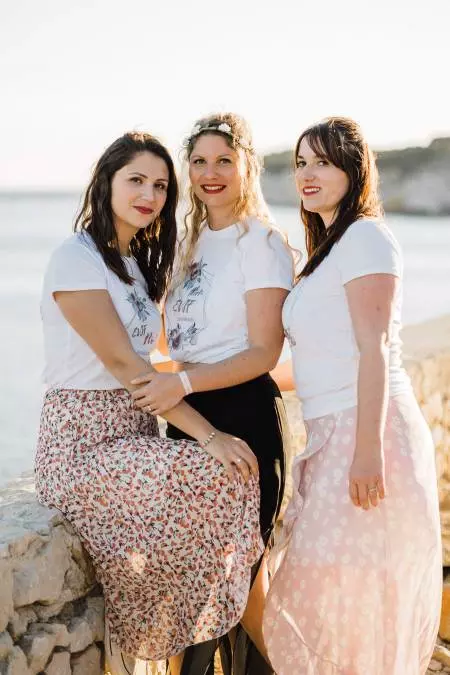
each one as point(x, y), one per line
point(38, 647)
point(58, 630)
point(41, 577)
point(435, 666)
point(80, 634)
point(6, 645)
point(59, 664)
point(442, 655)
point(17, 663)
point(95, 615)
point(20, 622)
point(78, 581)
point(46, 612)
point(6, 594)
point(87, 663)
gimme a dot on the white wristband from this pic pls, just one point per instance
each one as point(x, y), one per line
point(187, 386)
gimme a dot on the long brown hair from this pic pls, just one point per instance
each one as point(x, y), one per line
point(154, 246)
point(340, 141)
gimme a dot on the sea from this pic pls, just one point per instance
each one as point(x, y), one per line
point(32, 225)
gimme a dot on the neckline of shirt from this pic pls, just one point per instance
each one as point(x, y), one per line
point(224, 233)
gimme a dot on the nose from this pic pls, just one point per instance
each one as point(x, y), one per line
point(307, 173)
point(148, 192)
point(209, 170)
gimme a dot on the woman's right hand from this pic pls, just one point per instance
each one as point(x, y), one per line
point(234, 454)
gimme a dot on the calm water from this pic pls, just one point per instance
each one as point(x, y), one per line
point(31, 226)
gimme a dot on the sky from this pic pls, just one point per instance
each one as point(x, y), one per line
point(76, 75)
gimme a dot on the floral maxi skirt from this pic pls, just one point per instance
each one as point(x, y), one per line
point(358, 592)
point(171, 535)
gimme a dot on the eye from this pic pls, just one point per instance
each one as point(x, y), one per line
point(300, 163)
point(225, 160)
point(136, 179)
point(161, 186)
point(198, 160)
point(323, 162)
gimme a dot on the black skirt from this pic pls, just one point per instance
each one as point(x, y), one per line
point(253, 411)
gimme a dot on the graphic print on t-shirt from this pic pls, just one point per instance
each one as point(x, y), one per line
point(194, 290)
point(138, 325)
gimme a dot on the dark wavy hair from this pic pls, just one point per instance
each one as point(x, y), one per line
point(339, 140)
point(154, 246)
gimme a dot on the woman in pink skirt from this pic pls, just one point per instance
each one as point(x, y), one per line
point(172, 526)
point(358, 587)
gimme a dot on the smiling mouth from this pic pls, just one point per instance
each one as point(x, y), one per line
point(144, 210)
point(313, 190)
point(213, 189)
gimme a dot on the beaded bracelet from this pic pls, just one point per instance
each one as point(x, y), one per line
point(187, 386)
point(208, 440)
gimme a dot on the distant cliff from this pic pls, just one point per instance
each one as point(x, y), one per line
point(413, 180)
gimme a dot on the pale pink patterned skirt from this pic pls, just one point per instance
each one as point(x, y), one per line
point(172, 537)
point(358, 593)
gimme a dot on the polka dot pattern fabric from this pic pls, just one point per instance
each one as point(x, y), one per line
point(358, 592)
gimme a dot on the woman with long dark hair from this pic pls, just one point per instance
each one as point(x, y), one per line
point(223, 327)
point(359, 586)
point(172, 526)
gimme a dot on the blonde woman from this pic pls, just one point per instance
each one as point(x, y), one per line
point(223, 328)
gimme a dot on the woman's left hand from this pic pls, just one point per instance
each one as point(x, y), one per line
point(366, 480)
point(161, 392)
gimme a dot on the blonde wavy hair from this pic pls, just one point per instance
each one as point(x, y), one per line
point(251, 202)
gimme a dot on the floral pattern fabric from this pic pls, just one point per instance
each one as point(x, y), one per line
point(358, 592)
point(171, 535)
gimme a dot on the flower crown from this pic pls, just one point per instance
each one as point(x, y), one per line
point(223, 128)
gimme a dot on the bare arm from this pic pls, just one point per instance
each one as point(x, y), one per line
point(371, 300)
point(93, 316)
point(265, 335)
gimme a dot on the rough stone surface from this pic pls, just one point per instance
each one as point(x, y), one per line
point(442, 655)
point(38, 647)
point(6, 594)
point(95, 616)
point(17, 663)
point(41, 578)
point(80, 634)
point(59, 664)
point(435, 666)
point(87, 663)
point(6, 645)
point(20, 621)
point(45, 612)
point(57, 630)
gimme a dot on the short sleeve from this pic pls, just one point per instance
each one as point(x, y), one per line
point(267, 260)
point(75, 266)
point(368, 247)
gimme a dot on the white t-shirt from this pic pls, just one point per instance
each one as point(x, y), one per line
point(318, 325)
point(206, 319)
point(69, 361)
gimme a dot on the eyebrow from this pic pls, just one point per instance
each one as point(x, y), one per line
point(224, 154)
point(142, 175)
point(314, 155)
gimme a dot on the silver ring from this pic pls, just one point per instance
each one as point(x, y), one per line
point(238, 461)
point(373, 489)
